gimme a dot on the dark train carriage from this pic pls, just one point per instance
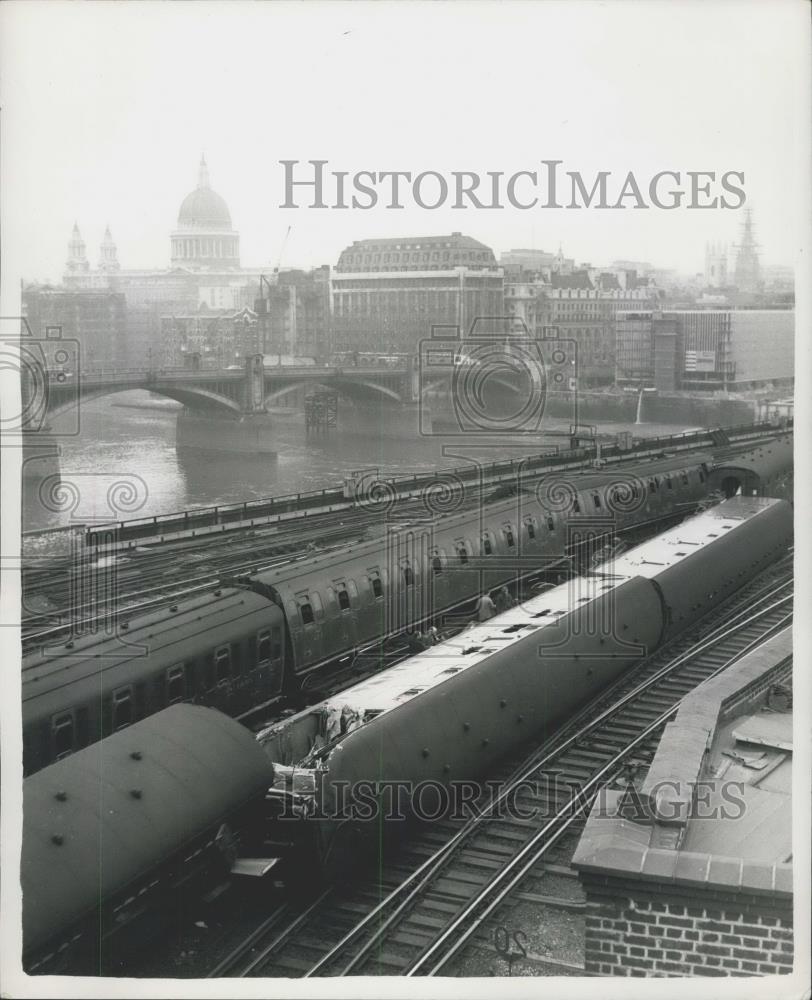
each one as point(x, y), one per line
point(224, 649)
point(119, 833)
point(336, 602)
point(766, 470)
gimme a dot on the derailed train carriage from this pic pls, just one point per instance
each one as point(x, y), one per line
point(450, 713)
point(115, 832)
point(129, 829)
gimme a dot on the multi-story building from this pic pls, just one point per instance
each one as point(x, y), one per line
point(519, 262)
point(729, 350)
point(96, 318)
point(573, 307)
point(388, 294)
point(294, 313)
point(207, 338)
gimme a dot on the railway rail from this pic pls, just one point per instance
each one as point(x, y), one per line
point(240, 515)
point(443, 886)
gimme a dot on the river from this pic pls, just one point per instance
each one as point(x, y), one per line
point(130, 439)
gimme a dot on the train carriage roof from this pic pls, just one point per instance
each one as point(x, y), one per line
point(97, 820)
point(308, 569)
point(166, 636)
point(765, 461)
point(649, 560)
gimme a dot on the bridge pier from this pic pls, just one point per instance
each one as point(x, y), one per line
point(41, 453)
point(249, 434)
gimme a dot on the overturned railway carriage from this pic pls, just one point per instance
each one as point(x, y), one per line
point(123, 830)
point(224, 649)
point(448, 714)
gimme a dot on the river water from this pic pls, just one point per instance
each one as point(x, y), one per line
point(129, 439)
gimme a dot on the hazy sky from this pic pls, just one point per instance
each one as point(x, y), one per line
point(106, 109)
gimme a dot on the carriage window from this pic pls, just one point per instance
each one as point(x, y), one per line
point(377, 586)
point(306, 611)
point(122, 708)
point(276, 642)
point(343, 597)
point(487, 548)
point(597, 501)
point(462, 552)
point(550, 523)
point(408, 574)
point(509, 536)
point(263, 646)
point(685, 478)
point(436, 563)
point(668, 483)
point(174, 685)
point(701, 476)
point(222, 663)
point(652, 486)
point(531, 527)
point(62, 730)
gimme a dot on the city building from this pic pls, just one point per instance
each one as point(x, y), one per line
point(387, 294)
point(295, 314)
point(210, 338)
point(96, 318)
point(728, 350)
point(582, 308)
point(518, 262)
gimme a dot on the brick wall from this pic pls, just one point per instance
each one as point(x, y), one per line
point(631, 934)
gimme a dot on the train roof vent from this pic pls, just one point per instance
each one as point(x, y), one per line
point(541, 614)
point(471, 649)
point(451, 670)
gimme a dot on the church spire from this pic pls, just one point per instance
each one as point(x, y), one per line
point(77, 259)
point(203, 173)
point(108, 260)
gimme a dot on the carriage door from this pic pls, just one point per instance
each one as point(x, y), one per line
point(269, 661)
point(311, 617)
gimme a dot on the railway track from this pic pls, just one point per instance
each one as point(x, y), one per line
point(82, 594)
point(439, 891)
point(61, 594)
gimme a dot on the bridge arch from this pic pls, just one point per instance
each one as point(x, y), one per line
point(194, 398)
point(358, 390)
